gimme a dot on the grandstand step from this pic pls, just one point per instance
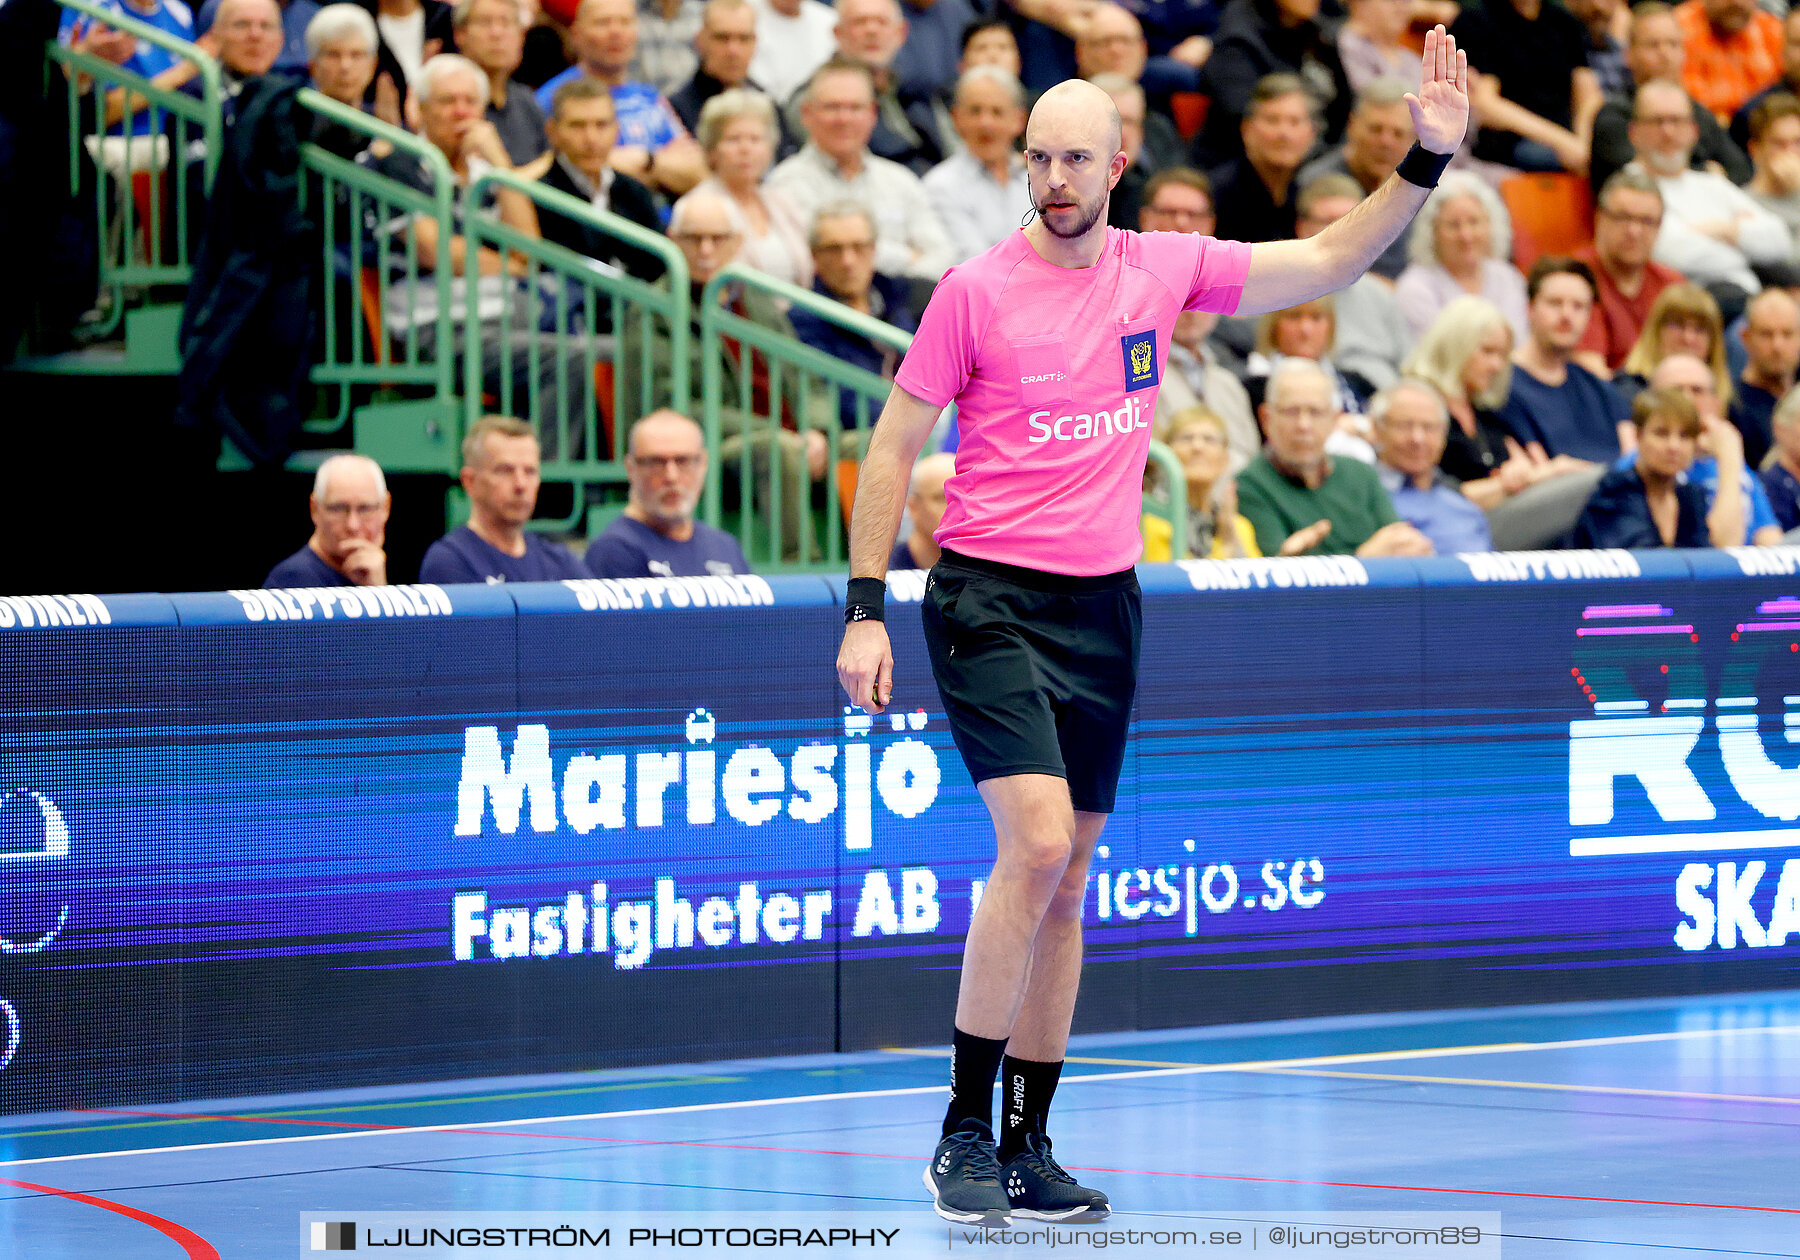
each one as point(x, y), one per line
point(150, 348)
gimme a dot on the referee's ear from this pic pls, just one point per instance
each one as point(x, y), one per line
point(1119, 163)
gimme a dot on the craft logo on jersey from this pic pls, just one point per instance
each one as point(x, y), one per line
point(1140, 359)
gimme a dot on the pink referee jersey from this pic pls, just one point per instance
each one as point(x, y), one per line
point(1054, 372)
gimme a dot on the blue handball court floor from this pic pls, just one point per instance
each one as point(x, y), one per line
point(1657, 1129)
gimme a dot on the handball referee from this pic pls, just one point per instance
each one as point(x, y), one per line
point(1052, 344)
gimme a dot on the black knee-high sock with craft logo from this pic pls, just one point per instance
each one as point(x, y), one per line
point(973, 1062)
point(1027, 1088)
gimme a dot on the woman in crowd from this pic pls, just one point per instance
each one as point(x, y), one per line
point(1649, 503)
point(1308, 331)
point(1684, 319)
point(1214, 529)
point(738, 134)
point(1461, 243)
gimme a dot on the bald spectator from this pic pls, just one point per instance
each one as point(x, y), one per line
point(1529, 84)
point(1653, 50)
point(501, 476)
point(1377, 136)
point(1371, 332)
point(1260, 38)
point(1712, 231)
point(981, 192)
point(349, 505)
point(926, 63)
point(653, 147)
point(1627, 219)
point(1685, 374)
point(658, 535)
point(870, 33)
point(838, 112)
point(1299, 497)
point(582, 130)
point(1733, 52)
point(925, 508)
point(727, 45)
point(1772, 341)
point(1411, 429)
point(246, 37)
point(491, 33)
point(1258, 191)
point(296, 16)
point(1775, 155)
point(666, 53)
point(1789, 81)
point(793, 39)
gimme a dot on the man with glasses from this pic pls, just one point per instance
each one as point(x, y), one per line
point(843, 251)
point(500, 474)
point(1627, 280)
point(657, 536)
point(1712, 232)
point(1179, 199)
point(1411, 430)
point(349, 505)
point(1336, 506)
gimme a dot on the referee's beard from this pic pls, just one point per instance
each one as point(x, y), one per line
point(1083, 216)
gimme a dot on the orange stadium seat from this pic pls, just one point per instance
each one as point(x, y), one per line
point(1188, 110)
point(1551, 214)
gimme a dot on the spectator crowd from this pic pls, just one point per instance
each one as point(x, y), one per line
point(1637, 392)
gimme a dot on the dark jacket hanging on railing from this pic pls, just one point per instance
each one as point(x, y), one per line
point(246, 330)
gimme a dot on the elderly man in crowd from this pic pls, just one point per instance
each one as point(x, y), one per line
point(1627, 280)
point(349, 505)
point(1654, 51)
point(1411, 430)
point(925, 508)
point(1375, 139)
point(1772, 341)
point(296, 16)
point(340, 53)
point(500, 474)
point(653, 145)
point(727, 45)
point(1713, 232)
point(838, 113)
point(870, 33)
point(657, 535)
point(1257, 192)
point(1335, 506)
point(980, 193)
point(491, 33)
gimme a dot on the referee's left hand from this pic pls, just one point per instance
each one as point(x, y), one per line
point(865, 665)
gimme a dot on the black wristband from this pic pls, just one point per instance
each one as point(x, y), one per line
point(1422, 167)
point(865, 600)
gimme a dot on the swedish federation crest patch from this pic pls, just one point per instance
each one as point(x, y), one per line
point(1139, 350)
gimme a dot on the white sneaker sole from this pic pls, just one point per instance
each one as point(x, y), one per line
point(1074, 1215)
point(989, 1220)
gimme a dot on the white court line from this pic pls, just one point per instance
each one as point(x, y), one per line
point(1196, 1069)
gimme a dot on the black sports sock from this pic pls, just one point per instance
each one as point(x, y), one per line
point(973, 1062)
point(1029, 1087)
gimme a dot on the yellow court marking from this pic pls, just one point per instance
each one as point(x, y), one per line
point(1547, 1085)
point(1175, 1068)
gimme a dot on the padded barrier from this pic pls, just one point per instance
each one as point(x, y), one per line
point(258, 841)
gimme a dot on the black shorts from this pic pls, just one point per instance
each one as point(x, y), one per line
point(1037, 670)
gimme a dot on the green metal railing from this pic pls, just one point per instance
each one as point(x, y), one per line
point(798, 384)
point(155, 162)
point(372, 278)
point(1167, 499)
point(548, 337)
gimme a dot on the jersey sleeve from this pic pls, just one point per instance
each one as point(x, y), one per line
point(1219, 274)
point(942, 355)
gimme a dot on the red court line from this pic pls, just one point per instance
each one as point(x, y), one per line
point(196, 1247)
point(1126, 1172)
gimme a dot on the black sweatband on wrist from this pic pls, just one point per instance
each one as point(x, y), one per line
point(865, 600)
point(1422, 167)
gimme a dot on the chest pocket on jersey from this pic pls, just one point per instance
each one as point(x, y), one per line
point(1042, 367)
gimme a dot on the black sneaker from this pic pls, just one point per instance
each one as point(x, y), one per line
point(1040, 1190)
point(964, 1178)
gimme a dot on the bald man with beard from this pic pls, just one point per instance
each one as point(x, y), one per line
point(1052, 345)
